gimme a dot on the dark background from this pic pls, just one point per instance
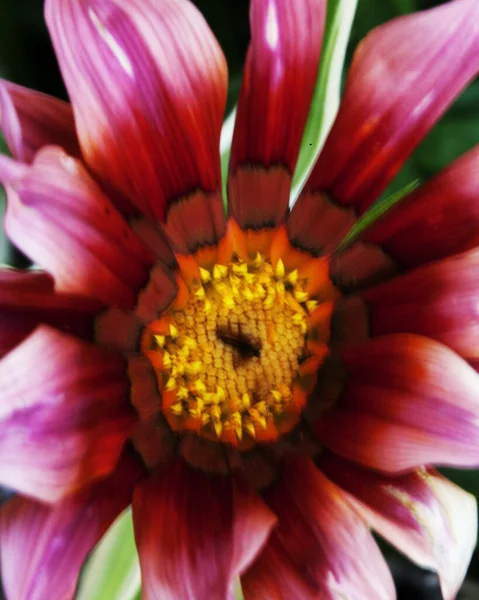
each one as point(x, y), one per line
point(26, 57)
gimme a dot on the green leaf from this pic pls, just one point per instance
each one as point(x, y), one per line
point(326, 98)
point(225, 150)
point(113, 572)
point(377, 210)
point(238, 592)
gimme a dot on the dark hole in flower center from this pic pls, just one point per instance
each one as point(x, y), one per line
point(244, 345)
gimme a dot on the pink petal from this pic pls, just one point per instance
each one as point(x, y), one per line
point(438, 300)
point(59, 217)
point(278, 82)
point(43, 547)
point(195, 532)
point(253, 522)
point(438, 219)
point(408, 401)
point(30, 120)
point(321, 540)
point(404, 76)
point(27, 299)
point(275, 97)
point(147, 82)
point(64, 414)
point(423, 514)
point(11, 170)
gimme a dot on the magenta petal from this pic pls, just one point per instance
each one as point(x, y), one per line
point(438, 219)
point(43, 547)
point(275, 97)
point(195, 532)
point(320, 540)
point(408, 401)
point(27, 298)
point(147, 81)
point(58, 216)
point(64, 414)
point(437, 300)
point(423, 514)
point(30, 120)
point(403, 77)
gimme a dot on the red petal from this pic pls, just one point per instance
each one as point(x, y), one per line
point(195, 221)
point(27, 299)
point(404, 76)
point(16, 320)
point(275, 97)
point(318, 225)
point(43, 547)
point(30, 120)
point(58, 216)
point(437, 220)
point(423, 514)
point(438, 300)
point(64, 414)
point(408, 401)
point(321, 540)
point(359, 266)
point(157, 295)
point(154, 237)
point(253, 522)
point(147, 82)
point(258, 197)
point(274, 576)
point(195, 532)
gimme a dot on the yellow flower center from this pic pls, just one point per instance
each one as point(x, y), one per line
point(229, 352)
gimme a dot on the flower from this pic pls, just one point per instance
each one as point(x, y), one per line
point(262, 393)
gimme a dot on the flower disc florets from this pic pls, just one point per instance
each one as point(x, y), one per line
point(228, 353)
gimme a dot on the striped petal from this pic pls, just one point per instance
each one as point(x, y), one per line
point(147, 81)
point(423, 514)
point(436, 220)
point(321, 547)
point(30, 120)
point(59, 217)
point(278, 83)
point(407, 401)
point(43, 547)
point(438, 300)
point(64, 414)
point(196, 532)
point(15, 286)
point(27, 299)
point(403, 77)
